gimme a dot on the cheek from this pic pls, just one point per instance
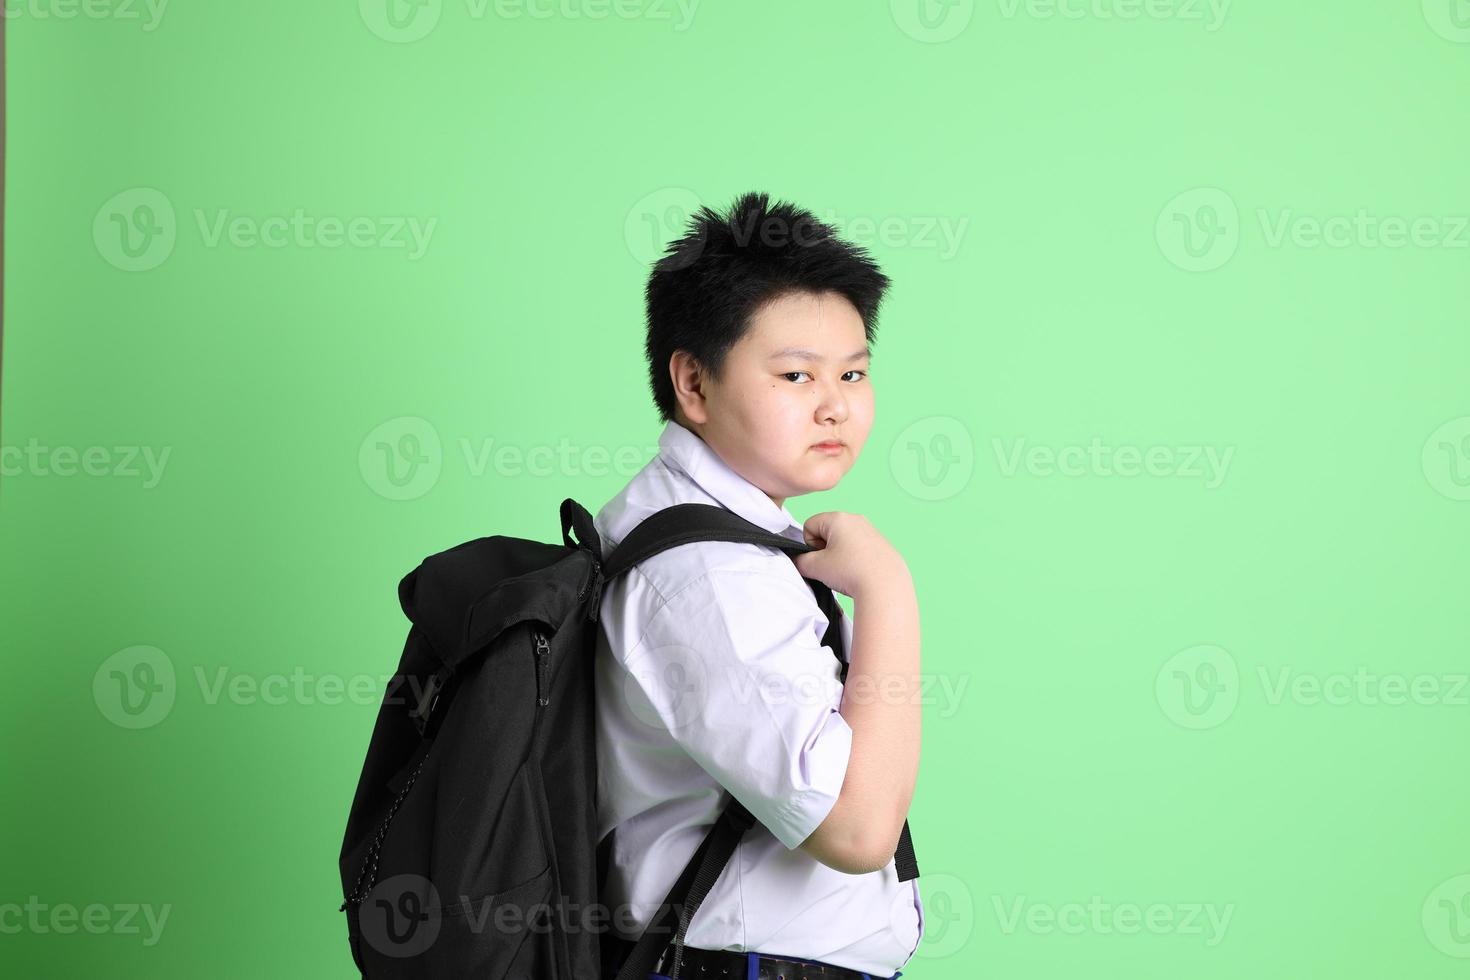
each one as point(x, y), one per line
point(772, 411)
point(861, 418)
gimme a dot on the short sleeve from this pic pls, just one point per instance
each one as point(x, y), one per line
point(733, 669)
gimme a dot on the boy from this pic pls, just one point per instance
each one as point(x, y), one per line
point(711, 673)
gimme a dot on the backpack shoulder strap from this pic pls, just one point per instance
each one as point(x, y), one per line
point(685, 524)
point(687, 893)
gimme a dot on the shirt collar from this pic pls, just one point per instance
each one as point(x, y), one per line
point(683, 450)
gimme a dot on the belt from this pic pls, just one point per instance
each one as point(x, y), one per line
point(724, 964)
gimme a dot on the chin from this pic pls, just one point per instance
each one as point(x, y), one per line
point(829, 482)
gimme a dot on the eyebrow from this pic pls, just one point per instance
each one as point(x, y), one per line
point(801, 353)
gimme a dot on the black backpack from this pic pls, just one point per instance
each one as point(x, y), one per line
point(470, 846)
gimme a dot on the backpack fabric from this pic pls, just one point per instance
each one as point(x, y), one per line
point(470, 845)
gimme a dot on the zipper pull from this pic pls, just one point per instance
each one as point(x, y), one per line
point(597, 595)
point(543, 649)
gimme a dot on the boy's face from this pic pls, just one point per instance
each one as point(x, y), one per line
point(769, 410)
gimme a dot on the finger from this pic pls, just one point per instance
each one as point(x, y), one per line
point(815, 528)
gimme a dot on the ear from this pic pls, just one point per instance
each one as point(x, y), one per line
point(688, 379)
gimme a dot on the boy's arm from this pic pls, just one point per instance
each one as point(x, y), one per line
point(731, 665)
point(880, 704)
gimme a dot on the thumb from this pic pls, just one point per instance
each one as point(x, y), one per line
point(815, 529)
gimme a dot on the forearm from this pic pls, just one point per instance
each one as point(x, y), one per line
point(880, 703)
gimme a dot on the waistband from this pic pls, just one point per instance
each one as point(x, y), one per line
point(724, 964)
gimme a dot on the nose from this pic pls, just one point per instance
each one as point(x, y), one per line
point(832, 403)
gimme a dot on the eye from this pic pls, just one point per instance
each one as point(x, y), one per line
point(788, 374)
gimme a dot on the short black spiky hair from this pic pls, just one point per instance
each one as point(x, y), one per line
point(708, 285)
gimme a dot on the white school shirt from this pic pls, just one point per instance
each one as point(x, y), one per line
point(711, 677)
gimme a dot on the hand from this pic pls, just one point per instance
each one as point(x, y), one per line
point(852, 555)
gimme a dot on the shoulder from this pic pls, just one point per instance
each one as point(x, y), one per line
point(697, 564)
point(726, 593)
point(697, 570)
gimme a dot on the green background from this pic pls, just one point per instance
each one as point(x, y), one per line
point(1116, 189)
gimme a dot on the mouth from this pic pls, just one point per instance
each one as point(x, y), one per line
point(830, 445)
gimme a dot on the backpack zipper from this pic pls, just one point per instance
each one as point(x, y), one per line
point(543, 649)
